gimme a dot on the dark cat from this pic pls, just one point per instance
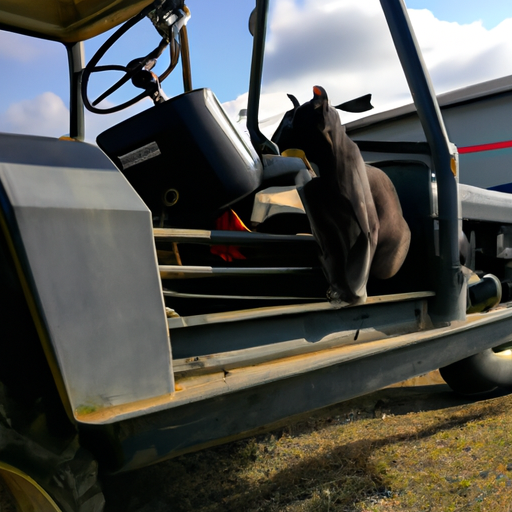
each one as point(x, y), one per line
point(353, 209)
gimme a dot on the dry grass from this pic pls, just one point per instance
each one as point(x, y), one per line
point(371, 454)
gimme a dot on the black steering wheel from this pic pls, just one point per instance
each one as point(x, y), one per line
point(137, 70)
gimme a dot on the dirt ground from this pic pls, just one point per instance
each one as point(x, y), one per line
point(292, 469)
point(214, 479)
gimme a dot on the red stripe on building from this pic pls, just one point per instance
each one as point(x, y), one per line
point(486, 147)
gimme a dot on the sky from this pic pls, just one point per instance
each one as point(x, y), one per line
point(342, 45)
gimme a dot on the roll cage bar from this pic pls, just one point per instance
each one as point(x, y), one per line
point(450, 302)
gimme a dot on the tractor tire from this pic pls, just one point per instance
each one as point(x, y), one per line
point(480, 373)
point(42, 472)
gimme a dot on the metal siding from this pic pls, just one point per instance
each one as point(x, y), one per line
point(483, 121)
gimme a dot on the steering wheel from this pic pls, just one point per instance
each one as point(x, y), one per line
point(142, 66)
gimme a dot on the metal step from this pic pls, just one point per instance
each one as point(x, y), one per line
point(183, 295)
point(208, 343)
point(188, 271)
point(314, 380)
point(267, 312)
point(198, 236)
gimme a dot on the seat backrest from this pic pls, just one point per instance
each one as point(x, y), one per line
point(415, 188)
point(185, 158)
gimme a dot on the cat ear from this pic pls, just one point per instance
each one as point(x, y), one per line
point(361, 104)
point(319, 97)
point(294, 100)
point(319, 94)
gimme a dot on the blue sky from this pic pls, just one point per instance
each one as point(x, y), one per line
point(349, 52)
point(490, 12)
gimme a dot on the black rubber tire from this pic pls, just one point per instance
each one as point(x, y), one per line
point(65, 472)
point(480, 373)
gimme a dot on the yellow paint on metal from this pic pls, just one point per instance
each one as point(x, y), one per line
point(67, 21)
point(298, 153)
point(29, 496)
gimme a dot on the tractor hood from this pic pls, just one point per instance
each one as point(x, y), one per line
point(67, 21)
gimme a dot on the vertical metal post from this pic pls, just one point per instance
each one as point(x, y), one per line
point(450, 289)
point(76, 60)
point(259, 141)
point(185, 60)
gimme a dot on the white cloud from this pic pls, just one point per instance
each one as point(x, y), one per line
point(343, 46)
point(24, 49)
point(45, 114)
point(459, 55)
point(272, 106)
point(346, 47)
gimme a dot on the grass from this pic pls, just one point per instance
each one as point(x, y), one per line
point(379, 453)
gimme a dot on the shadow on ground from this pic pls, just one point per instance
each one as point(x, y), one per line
point(211, 480)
